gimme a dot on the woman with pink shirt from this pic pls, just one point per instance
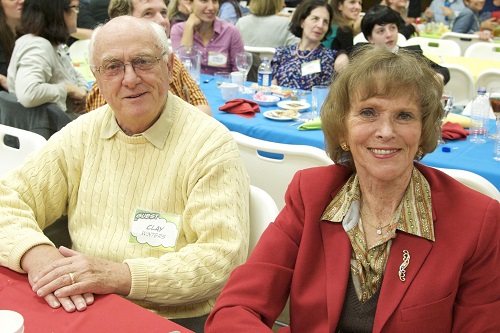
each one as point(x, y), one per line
point(218, 41)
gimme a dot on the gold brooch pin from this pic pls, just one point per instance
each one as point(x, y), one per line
point(402, 268)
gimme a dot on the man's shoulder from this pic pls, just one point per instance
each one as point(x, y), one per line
point(193, 113)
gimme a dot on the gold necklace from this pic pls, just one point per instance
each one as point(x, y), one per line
point(379, 228)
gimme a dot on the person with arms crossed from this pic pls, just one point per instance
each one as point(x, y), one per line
point(182, 84)
point(376, 242)
point(155, 191)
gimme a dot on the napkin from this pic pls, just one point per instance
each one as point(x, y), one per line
point(452, 131)
point(458, 119)
point(241, 107)
point(311, 125)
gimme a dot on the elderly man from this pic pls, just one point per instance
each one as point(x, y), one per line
point(182, 83)
point(155, 191)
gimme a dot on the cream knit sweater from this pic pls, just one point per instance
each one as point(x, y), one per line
point(186, 163)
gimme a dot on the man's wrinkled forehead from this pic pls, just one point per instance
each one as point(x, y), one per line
point(124, 34)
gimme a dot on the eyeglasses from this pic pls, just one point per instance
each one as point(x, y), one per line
point(76, 8)
point(113, 69)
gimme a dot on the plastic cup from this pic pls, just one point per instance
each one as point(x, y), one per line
point(11, 322)
point(238, 78)
point(229, 90)
point(319, 94)
point(222, 77)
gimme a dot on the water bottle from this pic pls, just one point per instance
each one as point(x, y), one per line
point(265, 73)
point(480, 115)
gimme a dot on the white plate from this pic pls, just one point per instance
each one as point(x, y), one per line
point(270, 102)
point(272, 115)
point(294, 105)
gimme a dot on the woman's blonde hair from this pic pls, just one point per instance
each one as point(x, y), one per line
point(173, 8)
point(265, 7)
point(375, 71)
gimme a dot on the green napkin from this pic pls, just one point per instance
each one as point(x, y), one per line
point(311, 125)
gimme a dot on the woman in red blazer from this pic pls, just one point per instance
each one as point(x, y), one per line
point(377, 242)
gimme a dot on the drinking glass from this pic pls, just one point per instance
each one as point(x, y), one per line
point(447, 102)
point(221, 77)
point(244, 62)
point(319, 94)
point(495, 105)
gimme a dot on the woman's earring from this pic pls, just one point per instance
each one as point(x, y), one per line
point(420, 153)
point(344, 146)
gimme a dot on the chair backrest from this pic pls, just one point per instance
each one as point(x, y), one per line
point(461, 84)
point(258, 54)
point(474, 181)
point(78, 51)
point(272, 165)
point(26, 142)
point(261, 51)
point(263, 210)
point(288, 11)
point(483, 50)
point(463, 40)
point(436, 46)
point(488, 79)
point(360, 38)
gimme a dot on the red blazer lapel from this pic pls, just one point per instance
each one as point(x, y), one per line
point(393, 289)
point(337, 249)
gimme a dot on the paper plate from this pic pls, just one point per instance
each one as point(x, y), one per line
point(275, 116)
point(294, 105)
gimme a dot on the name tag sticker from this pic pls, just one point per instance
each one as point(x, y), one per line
point(159, 230)
point(311, 67)
point(216, 59)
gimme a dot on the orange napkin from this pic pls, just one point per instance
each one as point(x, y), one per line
point(453, 131)
point(241, 107)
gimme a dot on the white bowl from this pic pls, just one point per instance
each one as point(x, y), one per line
point(270, 100)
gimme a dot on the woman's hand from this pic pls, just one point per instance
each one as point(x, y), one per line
point(447, 11)
point(193, 21)
point(190, 26)
point(78, 274)
point(75, 92)
point(489, 24)
point(428, 13)
point(483, 35)
point(79, 105)
point(3, 82)
point(341, 62)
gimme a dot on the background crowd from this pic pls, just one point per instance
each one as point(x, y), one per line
point(220, 30)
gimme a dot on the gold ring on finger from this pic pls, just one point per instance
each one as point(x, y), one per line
point(72, 277)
